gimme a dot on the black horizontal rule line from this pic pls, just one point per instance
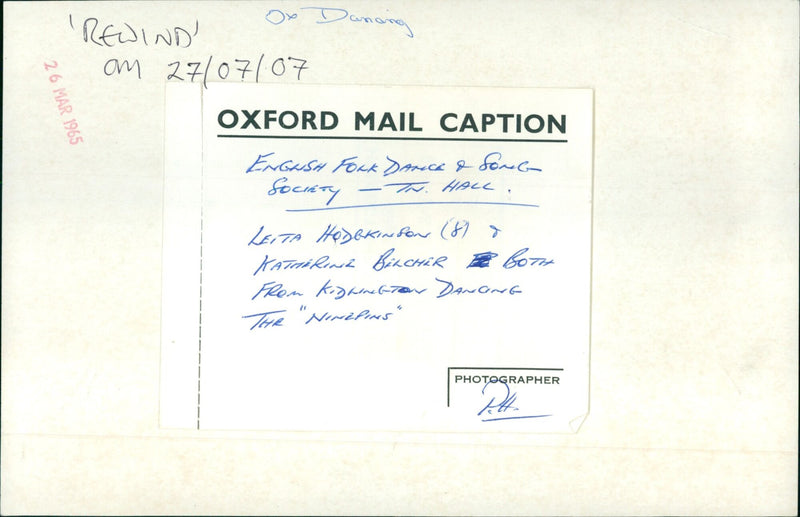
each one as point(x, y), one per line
point(490, 368)
point(400, 138)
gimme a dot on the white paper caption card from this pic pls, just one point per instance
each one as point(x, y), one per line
point(375, 258)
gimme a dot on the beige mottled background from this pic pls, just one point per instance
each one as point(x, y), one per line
point(694, 386)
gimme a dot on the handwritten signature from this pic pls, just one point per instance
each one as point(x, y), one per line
point(335, 14)
point(501, 403)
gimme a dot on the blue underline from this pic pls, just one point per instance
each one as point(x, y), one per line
point(493, 203)
point(512, 418)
